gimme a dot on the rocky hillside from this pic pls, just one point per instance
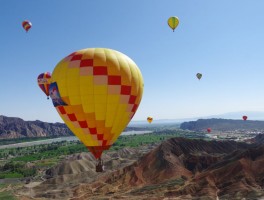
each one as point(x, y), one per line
point(222, 125)
point(185, 169)
point(178, 168)
point(14, 127)
point(258, 140)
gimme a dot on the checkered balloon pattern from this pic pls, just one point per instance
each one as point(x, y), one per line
point(96, 92)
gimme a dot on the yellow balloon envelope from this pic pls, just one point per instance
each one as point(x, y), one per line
point(173, 22)
point(96, 92)
point(150, 119)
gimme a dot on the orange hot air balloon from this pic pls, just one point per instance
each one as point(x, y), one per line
point(44, 82)
point(26, 25)
point(244, 117)
point(96, 92)
point(209, 130)
point(150, 119)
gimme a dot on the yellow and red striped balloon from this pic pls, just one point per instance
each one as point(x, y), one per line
point(96, 92)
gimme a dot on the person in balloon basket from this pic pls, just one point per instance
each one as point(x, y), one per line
point(99, 165)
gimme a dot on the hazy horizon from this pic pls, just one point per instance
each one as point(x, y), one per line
point(252, 115)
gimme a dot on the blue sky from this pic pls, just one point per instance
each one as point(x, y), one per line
point(223, 40)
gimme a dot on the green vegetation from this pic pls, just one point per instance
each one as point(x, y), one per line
point(59, 149)
point(53, 151)
point(27, 161)
point(138, 140)
point(10, 175)
point(43, 151)
point(2, 186)
point(6, 196)
point(46, 163)
point(16, 170)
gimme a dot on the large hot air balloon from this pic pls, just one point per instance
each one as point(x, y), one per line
point(173, 22)
point(96, 92)
point(44, 82)
point(209, 130)
point(199, 75)
point(244, 117)
point(26, 25)
point(150, 119)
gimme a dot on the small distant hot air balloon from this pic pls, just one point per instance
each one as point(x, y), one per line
point(209, 130)
point(244, 117)
point(150, 119)
point(199, 75)
point(44, 80)
point(173, 22)
point(26, 25)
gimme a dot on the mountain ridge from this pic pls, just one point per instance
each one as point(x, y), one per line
point(222, 125)
point(15, 127)
point(178, 168)
point(252, 115)
point(181, 168)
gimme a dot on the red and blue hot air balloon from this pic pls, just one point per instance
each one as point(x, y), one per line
point(44, 80)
